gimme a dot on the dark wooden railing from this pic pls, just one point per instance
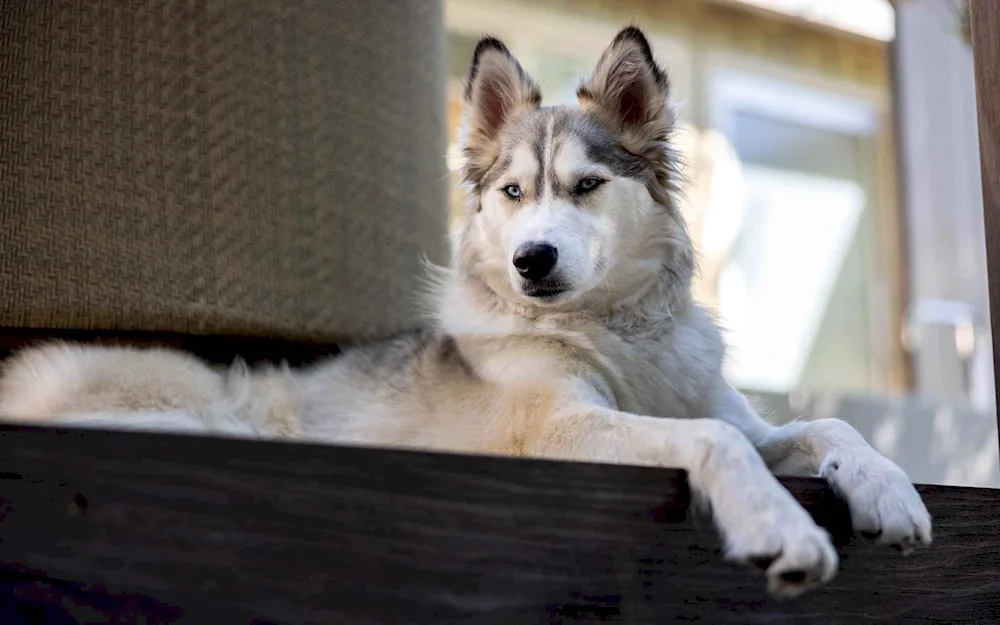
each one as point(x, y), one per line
point(228, 531)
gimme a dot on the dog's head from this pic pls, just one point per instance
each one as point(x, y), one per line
point(571, 207)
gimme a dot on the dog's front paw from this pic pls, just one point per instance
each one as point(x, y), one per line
point(884, 505)
point(775, 534)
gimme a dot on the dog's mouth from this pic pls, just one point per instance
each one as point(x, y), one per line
point(544, 291)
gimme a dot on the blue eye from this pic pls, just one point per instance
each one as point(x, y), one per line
point(588, 184)
point(512, 191)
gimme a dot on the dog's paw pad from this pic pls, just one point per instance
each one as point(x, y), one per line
point(761, 562)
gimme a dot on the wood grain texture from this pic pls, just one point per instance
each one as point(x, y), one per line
point(985, 25)
point(191, 529)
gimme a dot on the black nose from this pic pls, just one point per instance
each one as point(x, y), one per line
point(534, 261)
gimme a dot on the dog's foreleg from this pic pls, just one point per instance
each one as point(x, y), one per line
point(760, 522)
point(881, 497)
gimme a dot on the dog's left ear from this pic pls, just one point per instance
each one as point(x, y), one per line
point(629, 90)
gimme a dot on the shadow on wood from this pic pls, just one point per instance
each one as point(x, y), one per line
point(192, 529)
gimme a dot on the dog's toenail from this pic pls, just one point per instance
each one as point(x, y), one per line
point(77, 506)
point(794, 577)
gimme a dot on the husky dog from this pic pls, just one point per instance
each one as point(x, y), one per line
point(564, 329)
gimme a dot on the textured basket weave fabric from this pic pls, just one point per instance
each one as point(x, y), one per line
point(266, 168)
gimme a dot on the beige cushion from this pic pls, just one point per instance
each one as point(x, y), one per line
point(268, 168)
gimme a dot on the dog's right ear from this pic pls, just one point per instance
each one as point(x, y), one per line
point(496, 90)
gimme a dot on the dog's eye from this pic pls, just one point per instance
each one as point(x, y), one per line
point(588, 184)
point(512, 191)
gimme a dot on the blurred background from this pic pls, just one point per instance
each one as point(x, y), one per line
point(834, 196)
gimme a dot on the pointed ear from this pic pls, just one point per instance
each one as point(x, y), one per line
point(629, 90)
point(496, 90)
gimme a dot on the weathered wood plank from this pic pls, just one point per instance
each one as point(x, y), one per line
point(227, 531)
point(985, 26)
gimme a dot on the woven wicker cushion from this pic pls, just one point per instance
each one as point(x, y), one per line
point(271, 168)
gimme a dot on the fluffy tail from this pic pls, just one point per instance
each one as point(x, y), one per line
point(75, 384)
